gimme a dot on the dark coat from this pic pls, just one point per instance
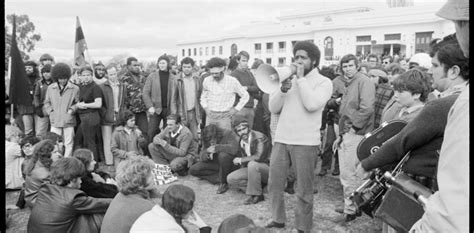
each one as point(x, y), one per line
point(63, 209)
point(96, 189)
point(260, 148)
point(229, 143)
point(107, 114)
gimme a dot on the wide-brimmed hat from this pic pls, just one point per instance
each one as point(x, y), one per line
point(455, 10)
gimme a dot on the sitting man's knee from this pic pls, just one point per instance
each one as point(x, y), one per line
point(178, 164)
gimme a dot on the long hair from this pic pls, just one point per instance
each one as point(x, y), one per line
point(85, 156)
point(211, 132)
point(42, 152)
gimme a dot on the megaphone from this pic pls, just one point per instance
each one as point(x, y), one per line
point(269, 78)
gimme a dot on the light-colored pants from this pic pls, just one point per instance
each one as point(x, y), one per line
point(28, 123)
point(250, 178)
point(68, 138)
point(273, 126)
point(248, 114)
point(160, 156)
point(219, 119)
point(107, 140)
point(41, 125)
point(347, 166)
point(302, 159)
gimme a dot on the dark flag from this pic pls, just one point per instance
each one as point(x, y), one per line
point(19, 83)
point(79, 46)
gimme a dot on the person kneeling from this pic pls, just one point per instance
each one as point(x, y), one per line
point(174, 146)
point(62, 207)
point(176, 209)
point(255, 150)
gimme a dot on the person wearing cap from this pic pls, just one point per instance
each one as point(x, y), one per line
point(420, 60)
point(174, 146)
point(60, 97)
point(42, 121)
point(300, 102)
point(219, 92)
point(247, 80)
point(157, 92)
point(446, 210)
point(356, 119)
point(255, 149)
point(383, 93)
point(27, 111)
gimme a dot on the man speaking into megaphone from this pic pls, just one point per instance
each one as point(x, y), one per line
point(300, 102)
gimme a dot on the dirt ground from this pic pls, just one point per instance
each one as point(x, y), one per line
point(214, 208)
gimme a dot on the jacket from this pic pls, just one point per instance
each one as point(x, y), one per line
point(40, 92)
point(147, 222)
point(57, 105)
point(122, 142)
point(96, 189)
point(134, 85)
point(229, 143)
point(178, 100)
point(185, 145)
point(246, 79)
point(260, 148)
point(29, 108)
point(38, 176)
point(357, 105)
point(63, 209)
point(124, 211)
point(152, 92)
point(107, 114)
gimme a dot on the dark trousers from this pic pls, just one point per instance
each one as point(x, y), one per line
point(216, 170)
point(327, 153)
point(154, 123)
point(142, 123)
point(90, 123)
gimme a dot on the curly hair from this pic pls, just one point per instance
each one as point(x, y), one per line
point(211, 132)
point(42, 152)
point(313, 51)
point(178, 200)
point(65, 170)
point(124, 116)
point(61, 71)
point(132, 175)
point(215, 62)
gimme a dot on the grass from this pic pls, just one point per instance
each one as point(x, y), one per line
point(214, 208)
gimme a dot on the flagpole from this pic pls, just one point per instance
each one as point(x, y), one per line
point(12, 119)
point(90, 60)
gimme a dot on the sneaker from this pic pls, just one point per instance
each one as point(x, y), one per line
point(254, 199)
point(273, 224)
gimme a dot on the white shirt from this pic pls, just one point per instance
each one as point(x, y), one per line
point(219, 96)
point(189, 91)
point(246, 145)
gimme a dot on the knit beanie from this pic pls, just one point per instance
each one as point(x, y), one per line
point(46, 57)
point(46, 68)
point(31, 63)
point(61, 71)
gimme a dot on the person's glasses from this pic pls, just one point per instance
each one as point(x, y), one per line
point(385, 62)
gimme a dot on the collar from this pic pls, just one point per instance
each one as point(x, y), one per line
point(412, 108)
point(177, 132)
point(456, 89)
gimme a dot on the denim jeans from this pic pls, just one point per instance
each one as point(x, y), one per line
point(68, 138)
point(41, 125)
point(250, 178)
point(303, 160)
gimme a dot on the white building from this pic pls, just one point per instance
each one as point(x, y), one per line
point(337, 32)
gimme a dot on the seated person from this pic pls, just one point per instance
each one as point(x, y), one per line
point(255, 149)
point(127, 139)
point(174, 146)
point(92, 183)
point(37, 170)
point(177, 205)
point(137, 189)
point(13, 158)
point(62, 207)
point(219, 148)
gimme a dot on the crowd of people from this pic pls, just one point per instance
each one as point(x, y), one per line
point(215, 123)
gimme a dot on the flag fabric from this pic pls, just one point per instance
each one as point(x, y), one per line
point(19, 83)
point(80, 46)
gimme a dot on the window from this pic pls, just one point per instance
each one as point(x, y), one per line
point(184, 52)
point(282, 46)
point(397, 36)
point(269, 61)
point(328, 48)
point(233, 49)
point(281, 61)
point(270, 47)
point(195, 51)
point(258, 48)
point(423, 40)
point(200, 51)
point(207, 51)
point(213, 50)
point(189, 52)
point(293, 43)
point(363, 38)
point(220, 50)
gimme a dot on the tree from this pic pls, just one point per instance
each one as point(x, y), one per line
point(119, 59)
point(25, 34)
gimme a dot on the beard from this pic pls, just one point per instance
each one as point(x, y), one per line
point(99, 76)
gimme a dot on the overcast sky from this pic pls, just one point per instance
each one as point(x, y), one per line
point(146, 29)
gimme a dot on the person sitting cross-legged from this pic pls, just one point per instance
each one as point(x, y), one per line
point(174, 146)
point(255, 149)
point(220, 147)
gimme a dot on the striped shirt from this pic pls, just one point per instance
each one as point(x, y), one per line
point(219, 96)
